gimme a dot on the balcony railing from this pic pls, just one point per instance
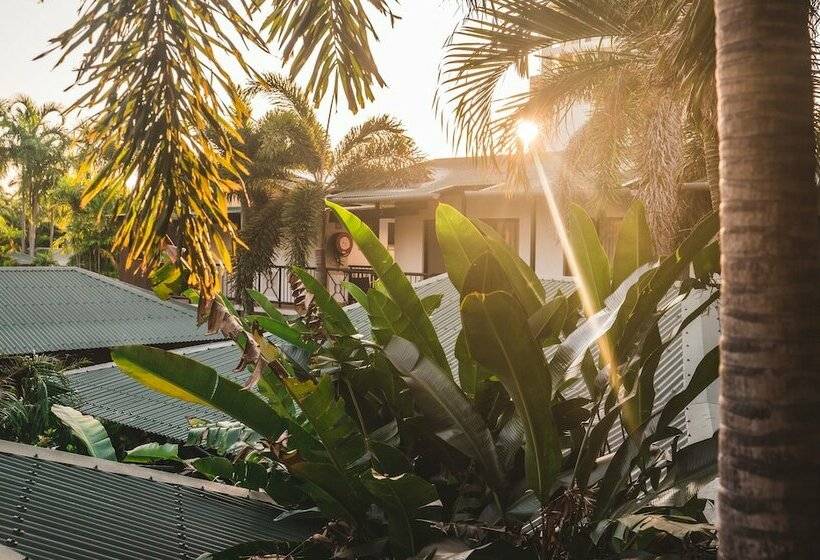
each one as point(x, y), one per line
point(274, 284)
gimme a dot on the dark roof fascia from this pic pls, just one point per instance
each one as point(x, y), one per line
point(102, 465)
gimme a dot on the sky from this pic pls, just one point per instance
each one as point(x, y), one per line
point(408, 55)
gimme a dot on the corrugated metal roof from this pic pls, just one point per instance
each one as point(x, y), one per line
point(61, 506)
point(106, 393)
point(53, 309)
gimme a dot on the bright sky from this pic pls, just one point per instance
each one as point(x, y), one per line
point(408, 56)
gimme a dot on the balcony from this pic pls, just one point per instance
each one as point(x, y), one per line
point(274, 282)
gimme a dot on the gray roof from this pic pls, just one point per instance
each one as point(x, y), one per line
point(106, 393)
point(54, 309)
point(62, 506)
point(469, 174)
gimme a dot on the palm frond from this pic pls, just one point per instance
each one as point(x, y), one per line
point(302, 215)
point(336, 35)
point(261, 235)
point(156, 90)
point(500, 35)
point(376, 153)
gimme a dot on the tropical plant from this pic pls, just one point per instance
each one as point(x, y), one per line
point(770, 270)
point(643, 72)
point(294, 167)
point(34, 141)
point(400, 452)
point(86, 231)
point(161, 105)
point(28, 386)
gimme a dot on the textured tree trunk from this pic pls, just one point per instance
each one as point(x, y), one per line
point(32, 228)
point(711, 155)
point(769, 498)
point(23, 224)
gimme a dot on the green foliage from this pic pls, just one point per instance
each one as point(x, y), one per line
point(293, 166)
point(28, 387)
point(88, 430)
point(399, 458)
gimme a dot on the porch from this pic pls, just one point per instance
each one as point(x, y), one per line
point(274, 284)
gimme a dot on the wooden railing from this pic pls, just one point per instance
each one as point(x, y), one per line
point(274, 282)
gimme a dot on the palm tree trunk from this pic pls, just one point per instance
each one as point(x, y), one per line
point(711, 155)
point(32, 228)
point(23, 224)
point(769, 498)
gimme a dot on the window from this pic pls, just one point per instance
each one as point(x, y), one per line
point(507, 228)
point(387, 233)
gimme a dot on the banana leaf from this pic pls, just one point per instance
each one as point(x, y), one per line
point(333, 317)
point(396, 284)
point(463, 242)
point(571, 351)
point(447, 411)
point(650, 431)
point(337, 431)
point(498, 337)
point(634, 246)
point(183, 378)
point(593, 272)
point(151, 452)
point(405, 499)
point(266, 306)
point(88, 430)
point(692, 468)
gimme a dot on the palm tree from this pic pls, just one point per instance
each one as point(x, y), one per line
point(160, 101)
point(630, 62)
point(769, 506)
point(293, 167)
point(34, 141)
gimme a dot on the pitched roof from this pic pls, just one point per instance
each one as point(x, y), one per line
point(62, 506)
point(469, 174)
point(106, 393)
point(53, 309)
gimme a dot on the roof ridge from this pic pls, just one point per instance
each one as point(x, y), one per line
point(113, 467)
point(137, 290)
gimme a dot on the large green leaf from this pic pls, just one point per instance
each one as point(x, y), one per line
point(651, 430)
point(447, 412)
point(405, 499)
point(464, 242)
point(634, 246)
point(183, 378)
point(460, 241)
point(337, 431)
point(498, 337)
point(396, 284)
point(334, 318)
point(571, 351)
point(281, 330)
point(691, 469)
point(264, 303)
point(151, 452)
point(88, 430)
point(663, 279)
point(527, 285)
point(386, 318)
point(593, 265)
point(332, 492)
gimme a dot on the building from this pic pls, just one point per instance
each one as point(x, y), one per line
point(62, 506)
point(404, 219)
point(67, 310)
